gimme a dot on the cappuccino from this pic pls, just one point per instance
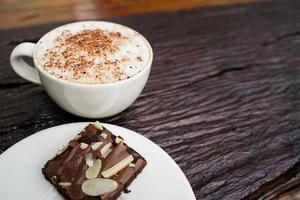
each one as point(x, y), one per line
point(94, 53)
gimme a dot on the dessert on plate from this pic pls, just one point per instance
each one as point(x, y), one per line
point(96, 164)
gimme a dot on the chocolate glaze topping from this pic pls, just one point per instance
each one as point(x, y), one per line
point(70, 165)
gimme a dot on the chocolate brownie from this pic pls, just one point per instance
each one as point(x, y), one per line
point(94, 165)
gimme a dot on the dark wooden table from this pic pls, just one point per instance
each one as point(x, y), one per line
point(223, 97)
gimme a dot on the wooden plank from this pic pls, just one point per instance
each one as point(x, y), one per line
point(32, 12)
point(223, 97)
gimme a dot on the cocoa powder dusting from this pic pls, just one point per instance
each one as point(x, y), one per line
point(79, 53)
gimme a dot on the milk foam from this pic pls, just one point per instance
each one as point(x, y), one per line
point(131, 55)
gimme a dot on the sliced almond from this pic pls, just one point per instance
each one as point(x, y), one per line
point(104, 135)
point(62, 150)
point(83, 145)
point(118, 140)
point(98, 186)
point(98, 125)
point(89, 159)
point(106, 154)
point(96, 145)
point(105, 150)
point(93, 172)
point(131, 165)
point(64, 184)
point(117, 167)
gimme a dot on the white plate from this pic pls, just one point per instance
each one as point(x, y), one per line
point(21, 177)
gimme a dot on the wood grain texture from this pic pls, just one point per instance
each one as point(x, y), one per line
point(32, 12)
point(223, 97)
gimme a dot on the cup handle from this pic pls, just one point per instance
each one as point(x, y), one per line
point(20, 66)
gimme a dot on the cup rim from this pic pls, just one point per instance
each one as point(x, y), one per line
point(75, 84)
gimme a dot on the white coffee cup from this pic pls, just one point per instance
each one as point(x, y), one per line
point(85, 100)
